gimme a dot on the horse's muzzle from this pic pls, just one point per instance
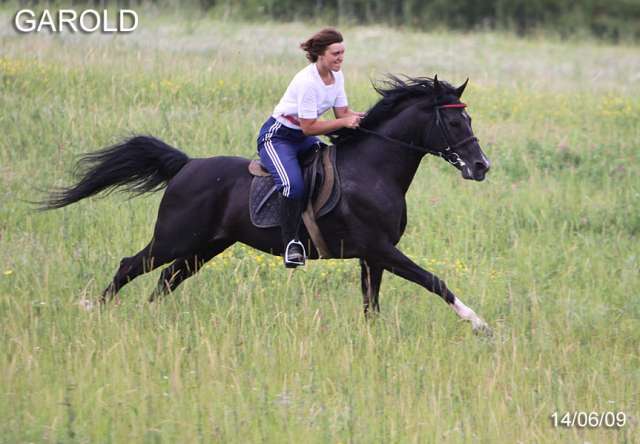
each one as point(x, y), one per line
point(477, 170)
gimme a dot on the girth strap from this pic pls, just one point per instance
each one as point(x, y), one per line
point(309, 214)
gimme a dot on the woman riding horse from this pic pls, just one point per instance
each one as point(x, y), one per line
point(198, 220)
point(292, 128)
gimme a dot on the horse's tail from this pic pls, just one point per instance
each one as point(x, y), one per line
point(140, 164)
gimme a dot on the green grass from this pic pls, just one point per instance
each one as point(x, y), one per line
point(546, 250)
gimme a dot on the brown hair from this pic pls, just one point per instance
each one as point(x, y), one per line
point(318, 43)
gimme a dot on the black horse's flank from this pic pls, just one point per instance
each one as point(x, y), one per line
point(204, 209)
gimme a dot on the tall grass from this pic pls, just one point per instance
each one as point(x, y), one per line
point(546, 250)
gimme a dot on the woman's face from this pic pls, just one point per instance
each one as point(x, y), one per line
point(332, 57)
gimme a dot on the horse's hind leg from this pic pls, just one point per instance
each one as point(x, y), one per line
point(185, 267)
point(130, 268)
point(370, 280)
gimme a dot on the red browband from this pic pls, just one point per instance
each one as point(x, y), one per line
point(454, 105)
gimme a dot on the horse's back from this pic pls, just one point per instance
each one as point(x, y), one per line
point(201, 174)
point(206, 182)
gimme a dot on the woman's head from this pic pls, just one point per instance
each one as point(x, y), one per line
point(326, 39)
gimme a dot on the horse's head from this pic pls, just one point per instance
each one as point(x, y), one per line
point(450, 134)
point(426, 116)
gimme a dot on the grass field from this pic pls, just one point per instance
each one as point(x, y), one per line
point(546, 250)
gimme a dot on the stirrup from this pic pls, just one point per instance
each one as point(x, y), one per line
point(288, 262)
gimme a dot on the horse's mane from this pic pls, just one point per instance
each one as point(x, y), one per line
point(395, 91)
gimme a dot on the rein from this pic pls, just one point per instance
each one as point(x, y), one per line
point(420, 149)
point(447, 152)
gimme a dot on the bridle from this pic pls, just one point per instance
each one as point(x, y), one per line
point(446, 152)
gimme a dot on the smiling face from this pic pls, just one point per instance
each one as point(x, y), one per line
point(332, 57)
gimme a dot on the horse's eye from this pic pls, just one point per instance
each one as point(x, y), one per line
point(455, 123)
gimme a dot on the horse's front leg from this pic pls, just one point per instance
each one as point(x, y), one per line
point(370, 280)
point(395, 261)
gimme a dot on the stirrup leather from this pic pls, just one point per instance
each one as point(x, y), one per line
point(287, 259)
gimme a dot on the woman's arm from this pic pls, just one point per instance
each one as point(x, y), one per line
point(316, 127)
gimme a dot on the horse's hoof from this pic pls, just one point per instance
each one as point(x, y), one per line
point(86, 304)
point(371, 315)
point(483, 330)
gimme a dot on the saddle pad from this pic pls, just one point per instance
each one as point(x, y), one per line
point(264, 205)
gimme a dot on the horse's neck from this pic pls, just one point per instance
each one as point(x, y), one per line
point(373, 157)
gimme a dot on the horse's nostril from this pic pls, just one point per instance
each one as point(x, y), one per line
point(482, 166)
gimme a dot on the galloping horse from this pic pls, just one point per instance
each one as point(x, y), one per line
point(205, 209)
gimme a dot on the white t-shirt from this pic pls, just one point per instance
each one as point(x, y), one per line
point(308, 97)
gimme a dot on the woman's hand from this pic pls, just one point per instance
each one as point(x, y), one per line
point(352, 120)
point(345, 111)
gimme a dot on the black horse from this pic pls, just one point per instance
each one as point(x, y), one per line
point(204, 209)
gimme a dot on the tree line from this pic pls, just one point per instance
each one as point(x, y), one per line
point(609, 19)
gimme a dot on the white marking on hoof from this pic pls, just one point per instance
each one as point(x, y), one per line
point(86, 304)
point(482, 329)
point(467, 314)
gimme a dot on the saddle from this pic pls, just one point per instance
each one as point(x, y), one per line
point(322, 193)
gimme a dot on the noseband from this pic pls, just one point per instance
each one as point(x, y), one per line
point(446, 152)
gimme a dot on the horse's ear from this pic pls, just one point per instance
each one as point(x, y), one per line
point(461, 88)
point(437, 88)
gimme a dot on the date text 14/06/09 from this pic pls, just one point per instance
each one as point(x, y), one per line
point(589, 419)
point(87, 21)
